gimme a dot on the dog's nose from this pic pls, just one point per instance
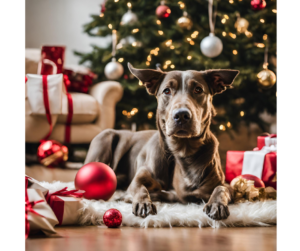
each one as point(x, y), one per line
point(181, 115)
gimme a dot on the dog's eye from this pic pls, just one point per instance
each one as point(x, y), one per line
point(167, 91)
point(198, 90)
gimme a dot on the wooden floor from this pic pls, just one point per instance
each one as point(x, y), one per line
point(137, 239)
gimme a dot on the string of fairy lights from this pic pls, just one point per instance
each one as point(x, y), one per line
point(241, 26)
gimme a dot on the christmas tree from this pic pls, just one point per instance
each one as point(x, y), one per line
point(150, 34)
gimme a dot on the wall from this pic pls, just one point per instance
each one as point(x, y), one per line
point(60, 22)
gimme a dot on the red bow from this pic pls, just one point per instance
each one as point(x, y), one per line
point(29, 208)
point(65, 192)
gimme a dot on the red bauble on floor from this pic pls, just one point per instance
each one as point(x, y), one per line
point(98, 181)
point(112, 218)
point(51, 153)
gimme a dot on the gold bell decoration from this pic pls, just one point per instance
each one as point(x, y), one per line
point(241, 24)
point(185, 22)
point(266, 78)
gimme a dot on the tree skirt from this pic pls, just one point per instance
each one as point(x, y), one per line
point(173, 215)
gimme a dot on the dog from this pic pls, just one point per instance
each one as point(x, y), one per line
point(179, 162)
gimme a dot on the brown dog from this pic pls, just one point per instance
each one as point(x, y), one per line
point(183, 153)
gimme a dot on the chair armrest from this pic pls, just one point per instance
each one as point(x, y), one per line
point(107, 93)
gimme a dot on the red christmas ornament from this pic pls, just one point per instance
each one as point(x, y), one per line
point(258, 4)
point(103, 7)
point(112, 218)
point(51, 153)
point(257, 181)
point(98, 181)
point(163, 11)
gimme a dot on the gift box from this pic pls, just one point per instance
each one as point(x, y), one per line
point(78, 81)
point(34, 184)
point(41, 88)
point(266, 140)
point(38, 214)
point(261, 163)
point(52, 60)
point(65, 205)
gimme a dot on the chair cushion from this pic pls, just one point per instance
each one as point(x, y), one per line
point(85, 109)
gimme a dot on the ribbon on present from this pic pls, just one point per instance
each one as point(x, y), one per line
point(29, 208)
point(58, 205)
point(254, 160)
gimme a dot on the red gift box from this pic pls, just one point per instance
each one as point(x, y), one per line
point(78, 81)
point(54, 54)
point(234, 167)
point(261, 140)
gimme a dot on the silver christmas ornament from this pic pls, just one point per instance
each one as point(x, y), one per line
point(211, 46)
point(113, 70)
point(129, 18)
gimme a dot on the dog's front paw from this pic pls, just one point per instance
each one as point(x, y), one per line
point(216, 211)
point(143, 209)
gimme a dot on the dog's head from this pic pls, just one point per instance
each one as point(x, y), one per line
point(184, 97)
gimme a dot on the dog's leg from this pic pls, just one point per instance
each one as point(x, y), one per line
point(141, 185)
point(217, 206)
point(165, 196)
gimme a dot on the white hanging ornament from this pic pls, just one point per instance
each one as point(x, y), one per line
point(113, 70)
point(211, 46)
point(129, 17)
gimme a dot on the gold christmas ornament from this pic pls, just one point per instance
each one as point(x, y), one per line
point(184, 21)
point(266, 78)
point(241, 25)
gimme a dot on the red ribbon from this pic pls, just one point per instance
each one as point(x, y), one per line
point(69, 118)
point(47, 106)
point(64, 192)
point(29, 208)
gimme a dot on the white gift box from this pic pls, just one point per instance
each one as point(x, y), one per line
point(44, 219)
point(35, 94)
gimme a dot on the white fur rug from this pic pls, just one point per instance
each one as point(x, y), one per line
point(174, 215)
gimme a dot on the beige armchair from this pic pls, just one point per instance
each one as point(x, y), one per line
point(92, 113)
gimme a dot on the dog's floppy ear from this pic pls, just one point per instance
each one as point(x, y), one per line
point(151, 79)
point(219, 80)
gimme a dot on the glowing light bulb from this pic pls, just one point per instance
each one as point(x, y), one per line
point(228, 124)
point(231, 1)
point(160, 32)
point(226, 16)
point(274, 11)
point(150, 115)
point(169, 42)
point(242, 113)
point(192, 42)
point(158, 22)
point(232, 35)
point(129, 5)
point(121, 60)
point(222, 127)
point(134, 44)
point(140, 83)
point(223, 21)
point(172, 66)
point(101, 15)
point(135, 30)
point(124, 112)
point(110, 26)
point(234, 52)
point(168, 62)
point(189, 57)
point(172, 47)
point(224, 34)
point(260, 45)
point(262, 20)
point(265, 37)
point(147, 63)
